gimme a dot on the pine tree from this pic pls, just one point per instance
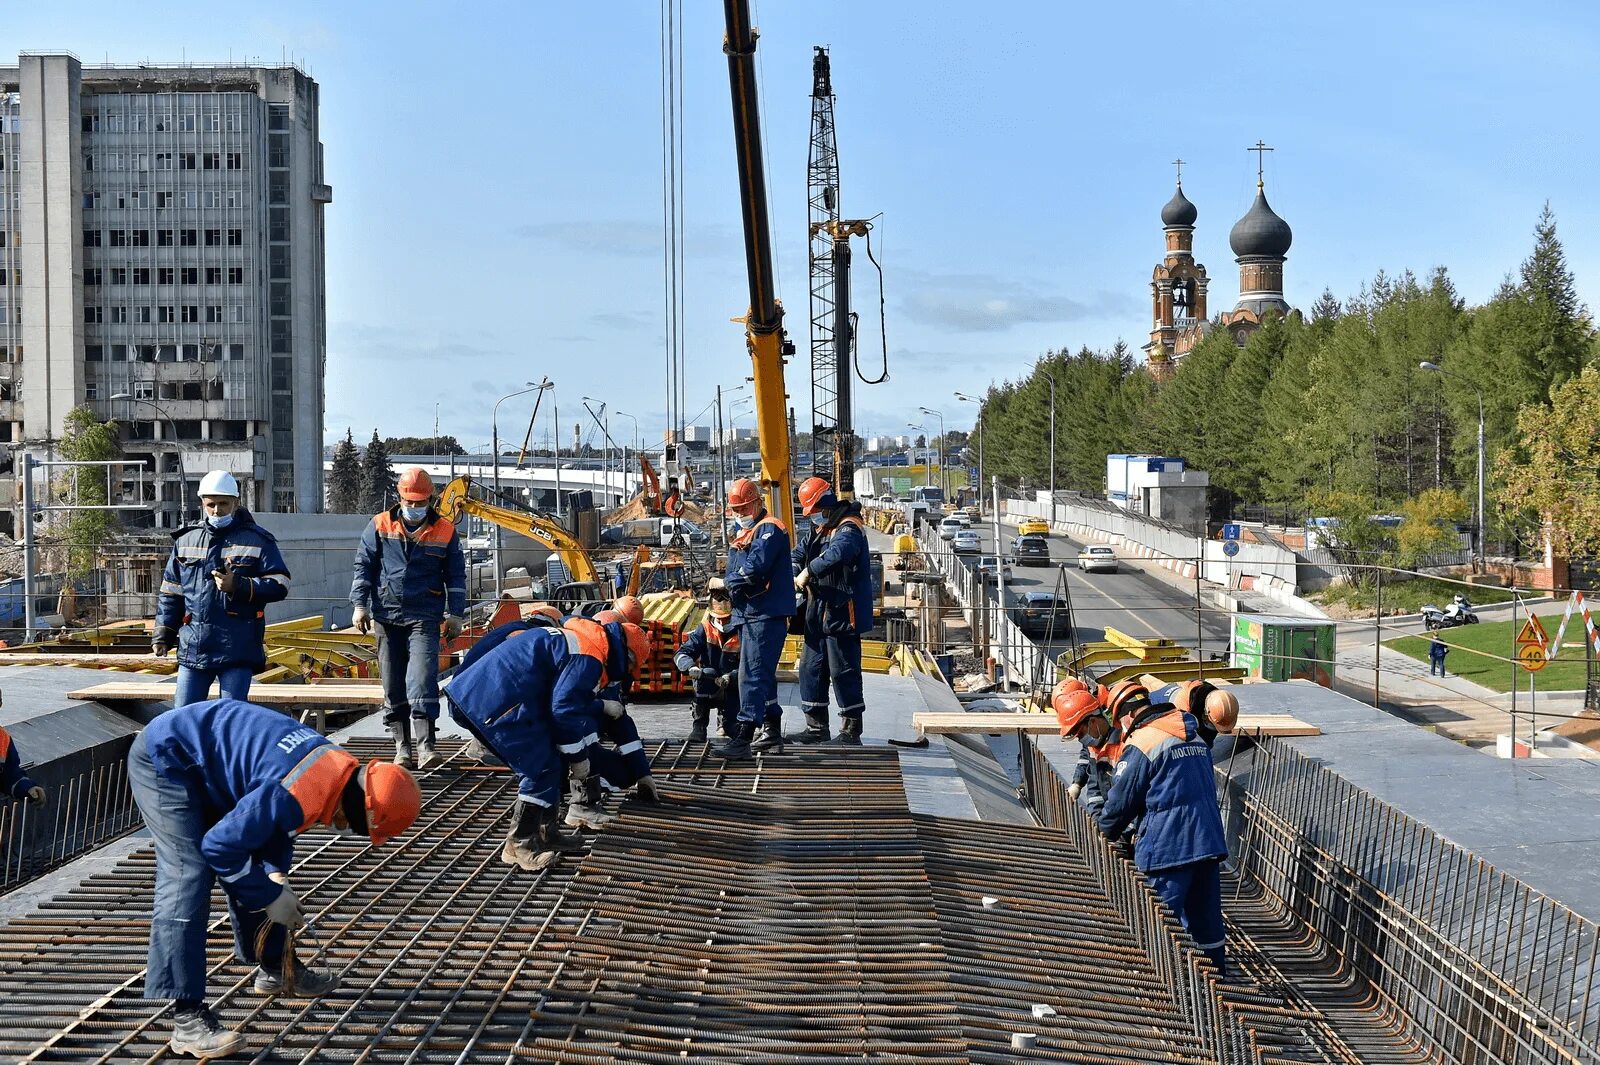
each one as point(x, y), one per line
point(344, 480)
point(1562, 336)
point(377, 476)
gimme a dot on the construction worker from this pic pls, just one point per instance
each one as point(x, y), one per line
point(626, 764)
point(710, 657)
point(534, 701)
point(833, 568)
point(629, 609)
point(1215, 710)
point(760, 583)
point(223, 571)
point(15, 783)
point(1164, 778)
point(224, 787)
point(410, 577)
point(1081, 713)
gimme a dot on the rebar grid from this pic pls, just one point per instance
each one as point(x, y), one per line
point(88, 809)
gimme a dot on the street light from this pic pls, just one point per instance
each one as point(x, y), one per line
point(494, 443)
point(973, 399)
point(1436, 368)
point(635, 421)
point(183, 475)
point(927, 471)
point(944, 482)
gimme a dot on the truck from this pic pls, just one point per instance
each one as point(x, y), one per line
point(654, 532)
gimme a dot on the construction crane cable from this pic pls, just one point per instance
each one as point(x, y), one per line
point(883, 320)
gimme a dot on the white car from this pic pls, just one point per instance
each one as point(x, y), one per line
point(966, 542)
point(949, 527)
point(1097, 558)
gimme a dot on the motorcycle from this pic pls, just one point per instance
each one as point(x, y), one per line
point(1459, 612)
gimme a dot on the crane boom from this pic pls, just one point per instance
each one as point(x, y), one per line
point(456, 500)
point(764, 335)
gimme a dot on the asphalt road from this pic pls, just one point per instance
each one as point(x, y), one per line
point(1129, 600)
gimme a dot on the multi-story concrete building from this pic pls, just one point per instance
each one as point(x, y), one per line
point(161, 241)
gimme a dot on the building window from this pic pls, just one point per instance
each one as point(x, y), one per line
point(91, 390)
point(283, 500)
point(189, 199)
point(238, 313)
point(165, 312)
point(213, 275)
point(235, 352)
point(163, 200)
point(163, 123)
point(186, 160)
point(141, 238)
point(188, 238)
point(119, 275)
point(277, 116)
point(144, 390)
point(163, 238)
point(91, 276)
point(235, 275)
point(138, 123)
point(119, 316)
point(211, 199)
point(113, 123)
point(235, 160)
point(213, 122)
point(168, 353)
point(141, 275)
point(211, 160)
point(189, 353)
point(280, 375)
point(191, 313)
point(91, 315)
point(91, 201)
point(232, 198)
point(91, 122)
point(88, 161)
point(93, 353)
point(119, 352)
point(278, 263)
point(141, 161)
point(231, 123)
point(91, 238)
point(146, 352)
point(278, 189)
point(213, 238)
point(186, 123)
point(138, 200)
point(163, 160)
point(119, 238)
point(213, 314)
point(235, 237)
point(189, 275)
point(165, 275)
point(141, 315)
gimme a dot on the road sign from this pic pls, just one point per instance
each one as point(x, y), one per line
point(1531, 657)
point(1230, 548)
point(1230, 531)
point(1533, 633)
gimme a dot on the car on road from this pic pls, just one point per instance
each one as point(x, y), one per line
point(1097, 558)
point(1042, 614)
point(966, 542)
point(948, 527)
point(1034, 527)
point(1031, 551)
point(963, 517)
point(987, 571)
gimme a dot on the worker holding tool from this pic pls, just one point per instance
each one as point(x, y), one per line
point(534, 701)
point(1080, 711)
point(1164, 776)
point(710, 657)
point(411, 578)
point(760, 583)
point(626, 765)
point(224, 787)
point(833, 568)
point(15, 783)
point(223, 571)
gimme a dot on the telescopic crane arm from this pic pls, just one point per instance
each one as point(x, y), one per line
point(456, 501)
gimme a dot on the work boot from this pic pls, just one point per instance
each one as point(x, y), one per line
point(422, 729)
point(816, 730)
point(308, 983)
point(737, 748)
point(583, 806)
point(528, 845)
point(697, 732)
point(401, 731)
point(476, 752)
point(849, 732)
point(196, 1031)
point(770, 738)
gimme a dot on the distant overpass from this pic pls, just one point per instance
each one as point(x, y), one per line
point(537, 482)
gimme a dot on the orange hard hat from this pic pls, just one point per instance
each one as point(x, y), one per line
point(608, 616)
point(1222, 707)
point(540, 610)
point(1127, 698)
point(415, 484)
point(639, 648)
point(744, 493)
point(1070, 684)
point(815, 493)
point(1073, 706)
point(630, 608)
point(393, 799)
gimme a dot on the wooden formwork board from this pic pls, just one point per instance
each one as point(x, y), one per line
point(942, 724)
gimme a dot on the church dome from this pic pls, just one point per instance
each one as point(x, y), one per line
point(1179, 211)
point(1260, 232)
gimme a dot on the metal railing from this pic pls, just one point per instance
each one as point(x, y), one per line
point(83, 812)
point(1026, 663)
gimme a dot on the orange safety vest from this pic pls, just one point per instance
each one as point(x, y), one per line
point(748, 536)
point(727, 641)
point(389, 527)
point(1148, 736)
point(317, 781)
point(591, 641)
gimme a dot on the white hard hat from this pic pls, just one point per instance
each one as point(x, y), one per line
point(219, 483)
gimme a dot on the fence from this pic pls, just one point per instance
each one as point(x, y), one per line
point(85, 811)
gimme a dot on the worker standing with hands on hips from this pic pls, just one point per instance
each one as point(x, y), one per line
point(224, 787)
point(760, 583)
point(833, 568)
point(223, 572)
point(13, 781)
point(410, 577)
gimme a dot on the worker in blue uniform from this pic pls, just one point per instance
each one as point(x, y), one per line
point(224, 787)
point(833, 568)
point(1164, 777)
point(14, 782)
point(709, 656)
point(624, 764)
point(223, 572)
point(760, 583)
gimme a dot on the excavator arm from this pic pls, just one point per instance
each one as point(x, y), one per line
point(652, 485)
point(456, 500)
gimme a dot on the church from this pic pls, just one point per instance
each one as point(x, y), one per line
point(1260, 241)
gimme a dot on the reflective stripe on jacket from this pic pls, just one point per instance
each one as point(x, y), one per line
point(217, 629)
point(419, 575)
point(839, 593)
point(760, 574)
point(712, 649)
point(543, 678)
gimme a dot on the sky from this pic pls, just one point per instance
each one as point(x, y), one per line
point(497, 212)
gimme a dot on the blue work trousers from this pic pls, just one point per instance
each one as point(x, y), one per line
point(177, 963)
point(760, 647)
point(726, 707)
point(194, 684)
point(1193, 893)
point(627, 764)
point(831, 657)
point(525, 741)
point(408, 653)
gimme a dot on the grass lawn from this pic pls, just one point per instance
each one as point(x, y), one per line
point(1409, 597)
point(1567, 673)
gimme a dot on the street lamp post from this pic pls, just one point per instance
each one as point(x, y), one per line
point(973, 399)
point(1479, 539)
point(494, 444)
point(927, 471)
point(944, 481)
point(183, 475)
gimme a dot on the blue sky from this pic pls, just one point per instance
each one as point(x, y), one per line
point(497, 175)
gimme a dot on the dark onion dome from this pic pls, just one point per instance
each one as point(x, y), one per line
point(1260, 232)
point(1179, 211)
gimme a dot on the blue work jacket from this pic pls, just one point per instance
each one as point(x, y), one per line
point(839, 592)
point(13, 781)
point(540, 678)
point(760, 573)
point(1165, 777)
point(405, 577)
point(216, 630)
point(713, 650)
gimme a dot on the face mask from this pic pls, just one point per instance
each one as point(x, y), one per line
point(720, 624)
point(221, 521)
point(745, 521)
point(414, 513)
point(819, 520)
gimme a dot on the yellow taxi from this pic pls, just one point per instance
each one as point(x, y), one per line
point(1033, 527)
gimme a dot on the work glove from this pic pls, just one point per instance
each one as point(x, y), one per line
point(36, 796)
point(164, 640)
point(695, 672)
point(801, 580)
point(1073, 790)
point(286, 909)
point(716, 584)
point(723, 681)
point(224, 580)
point(612, 708)
point(452, 628)
point(361, 618)
point(646, 790)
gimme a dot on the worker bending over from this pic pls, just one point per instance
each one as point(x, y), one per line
point(1165, 777)
point(625, 765)
point(15, 783)
point(410, 577)
point(223, 571)
point(224, 787)
point(1081, 713)
point(710, 657)
point(833, 568)
point(1215, 710)
point(760, 583)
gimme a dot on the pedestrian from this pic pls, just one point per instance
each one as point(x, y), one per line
point(223, 572)
point(224, 787)
point(710, 657)
point(833, 568)
point(14, 782)
point(411, 578)
point(1164, 779)
point(760, 583)
point(1437, 649)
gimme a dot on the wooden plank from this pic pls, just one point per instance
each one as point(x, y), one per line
point(88, 660)
point(329, 696)
point(941, 724)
